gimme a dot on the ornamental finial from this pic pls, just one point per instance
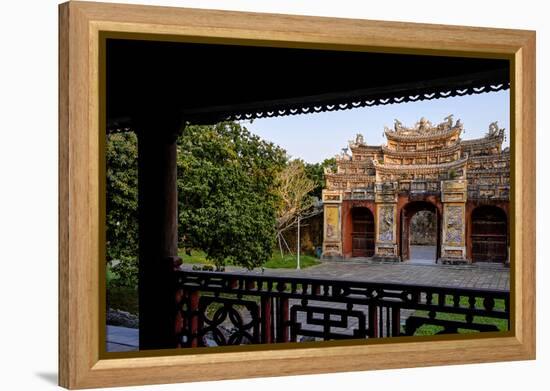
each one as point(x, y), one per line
point(423, 125)
point(493, 129)
point(397, 125)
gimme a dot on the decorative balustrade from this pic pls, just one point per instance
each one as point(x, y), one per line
point(231, 309)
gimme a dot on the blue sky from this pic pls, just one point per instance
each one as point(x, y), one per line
point(315, 137)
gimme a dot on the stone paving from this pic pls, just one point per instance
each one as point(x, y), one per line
point(489, 276)
point(122, 339)
point(424, 255)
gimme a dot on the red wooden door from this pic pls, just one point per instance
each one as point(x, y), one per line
point(362, 233)
point(489, 235)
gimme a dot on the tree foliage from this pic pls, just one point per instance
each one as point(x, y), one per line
point(227, 201)
point(316, 172)
point(293, 190)
point(121, 203)
point(237, 192)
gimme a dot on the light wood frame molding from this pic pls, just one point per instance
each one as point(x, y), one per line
point(80, 364)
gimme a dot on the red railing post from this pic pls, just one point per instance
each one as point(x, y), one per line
point(179, 322)
point(315, 289)
point(195, 321)
point(233, 283)
point(266, 320)
point(283, 334)
point(395, 321)
point(373, 321)
point(282, 315)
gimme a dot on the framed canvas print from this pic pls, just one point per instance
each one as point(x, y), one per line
point(297, 194)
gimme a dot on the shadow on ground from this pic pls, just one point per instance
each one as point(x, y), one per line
point(48, 377)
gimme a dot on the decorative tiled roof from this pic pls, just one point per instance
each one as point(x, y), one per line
point(424, 130)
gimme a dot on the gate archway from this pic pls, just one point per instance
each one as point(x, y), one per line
point(407, 214)
point(489, 234)
point(362, 236)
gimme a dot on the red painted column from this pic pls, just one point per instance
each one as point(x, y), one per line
point(347, 227)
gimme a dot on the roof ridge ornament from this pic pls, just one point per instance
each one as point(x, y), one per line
point(449, 120)
point(359, 141)
point(494, 130)
point(398, 126)
point(343, 155)
point(423, 127)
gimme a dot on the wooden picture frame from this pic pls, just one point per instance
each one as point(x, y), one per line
point(80, 362)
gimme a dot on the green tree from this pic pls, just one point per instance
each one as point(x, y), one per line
point(227, 202)
point(121, 203)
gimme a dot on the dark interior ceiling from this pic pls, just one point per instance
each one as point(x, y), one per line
point(207, 83)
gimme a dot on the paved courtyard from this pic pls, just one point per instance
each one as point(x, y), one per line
point(489, 276)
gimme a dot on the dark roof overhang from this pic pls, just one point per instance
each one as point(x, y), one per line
point(208, 83)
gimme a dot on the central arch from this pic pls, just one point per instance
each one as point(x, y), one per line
point(407, 213)
point(362, 235)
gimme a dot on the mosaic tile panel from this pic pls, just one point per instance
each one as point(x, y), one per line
point(455, 224)
point(385, 223)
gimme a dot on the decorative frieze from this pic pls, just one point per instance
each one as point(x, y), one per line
point(385, 192)
point(359, 195)
point(331, 196)
point(454, 190)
